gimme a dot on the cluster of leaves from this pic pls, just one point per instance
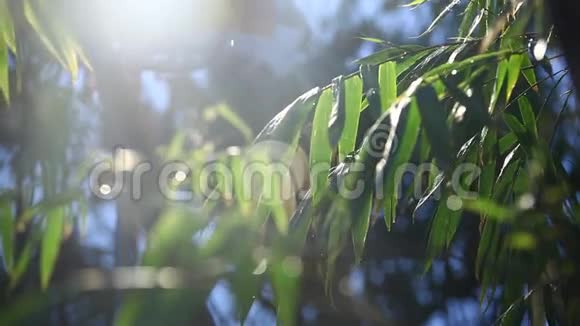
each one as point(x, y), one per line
point(45, 19)
point(475, 101)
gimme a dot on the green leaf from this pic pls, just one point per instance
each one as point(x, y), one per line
point(520, 131)
point(285, 275)
point(224, 111)
point(490, 209)
point(415, 3)
point(507, 142)
point(435, 73)
point(372, 39)
point(174, 228)
point(470, 19)
point(4, 72)
point(439, 17)
point(529, 73)
point(408, 61)
point(390, 54)
point(22, 263)
point(320, 150)
point(285, 127)
point(513, 73)
point(7, 233)
point(361, 209)
point(7, 27)
point(398, 157)
point(353, 92)
point(388, 84)
point(30, 13)
point(443, 227)
point(51, 241)
point(338, 114)
point(528, 116)
point(434, 121)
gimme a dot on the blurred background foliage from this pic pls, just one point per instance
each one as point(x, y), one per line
point(480, 82)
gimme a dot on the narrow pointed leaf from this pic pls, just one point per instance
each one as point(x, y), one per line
point(513, 73)
point(529, 73)
point(7, 233)
point(320, 150)
point(439, 17)
point(396, 159)
point(4, 72)
point(51, 241)
point(388, 84)
point(338, 114)
point(285, 127)
point(353, 92)
point(286, 284)
point(528, 116)
point(434, 121)
point(7, 26)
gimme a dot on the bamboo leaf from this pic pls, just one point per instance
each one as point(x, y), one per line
point(285, 127)
point(22, 262)
point(470, 20)
point(320, 150)
point(390, 54)
point(435, 73)
point(439, 17)
point(507, 142)
point(528, 116)
point(529, 73)
point(434, 122)
point(415, 3)
point(513, 73)
point(361, 209)
point(388, 84)
point(31, 16)
point(443, 227)
point(285, 275)
point(7, 233)
point(4, 72)
point(51, 241)
point(396, 159)
point(7, 27)
point(224, 111)
point(490, 209)
point(519, 130)
point(353, 92)
point(338, 113)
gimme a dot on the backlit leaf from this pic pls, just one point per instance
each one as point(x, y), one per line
point(7, 232)
point(320, 150)
point(396, 159)
point(51, 241)
point(388, 84)
point(353, 92)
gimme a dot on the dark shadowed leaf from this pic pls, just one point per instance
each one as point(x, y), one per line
point(407, 128)
point(285, 127)
point(338, 114)
point(434, 121)
point(528, 116)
